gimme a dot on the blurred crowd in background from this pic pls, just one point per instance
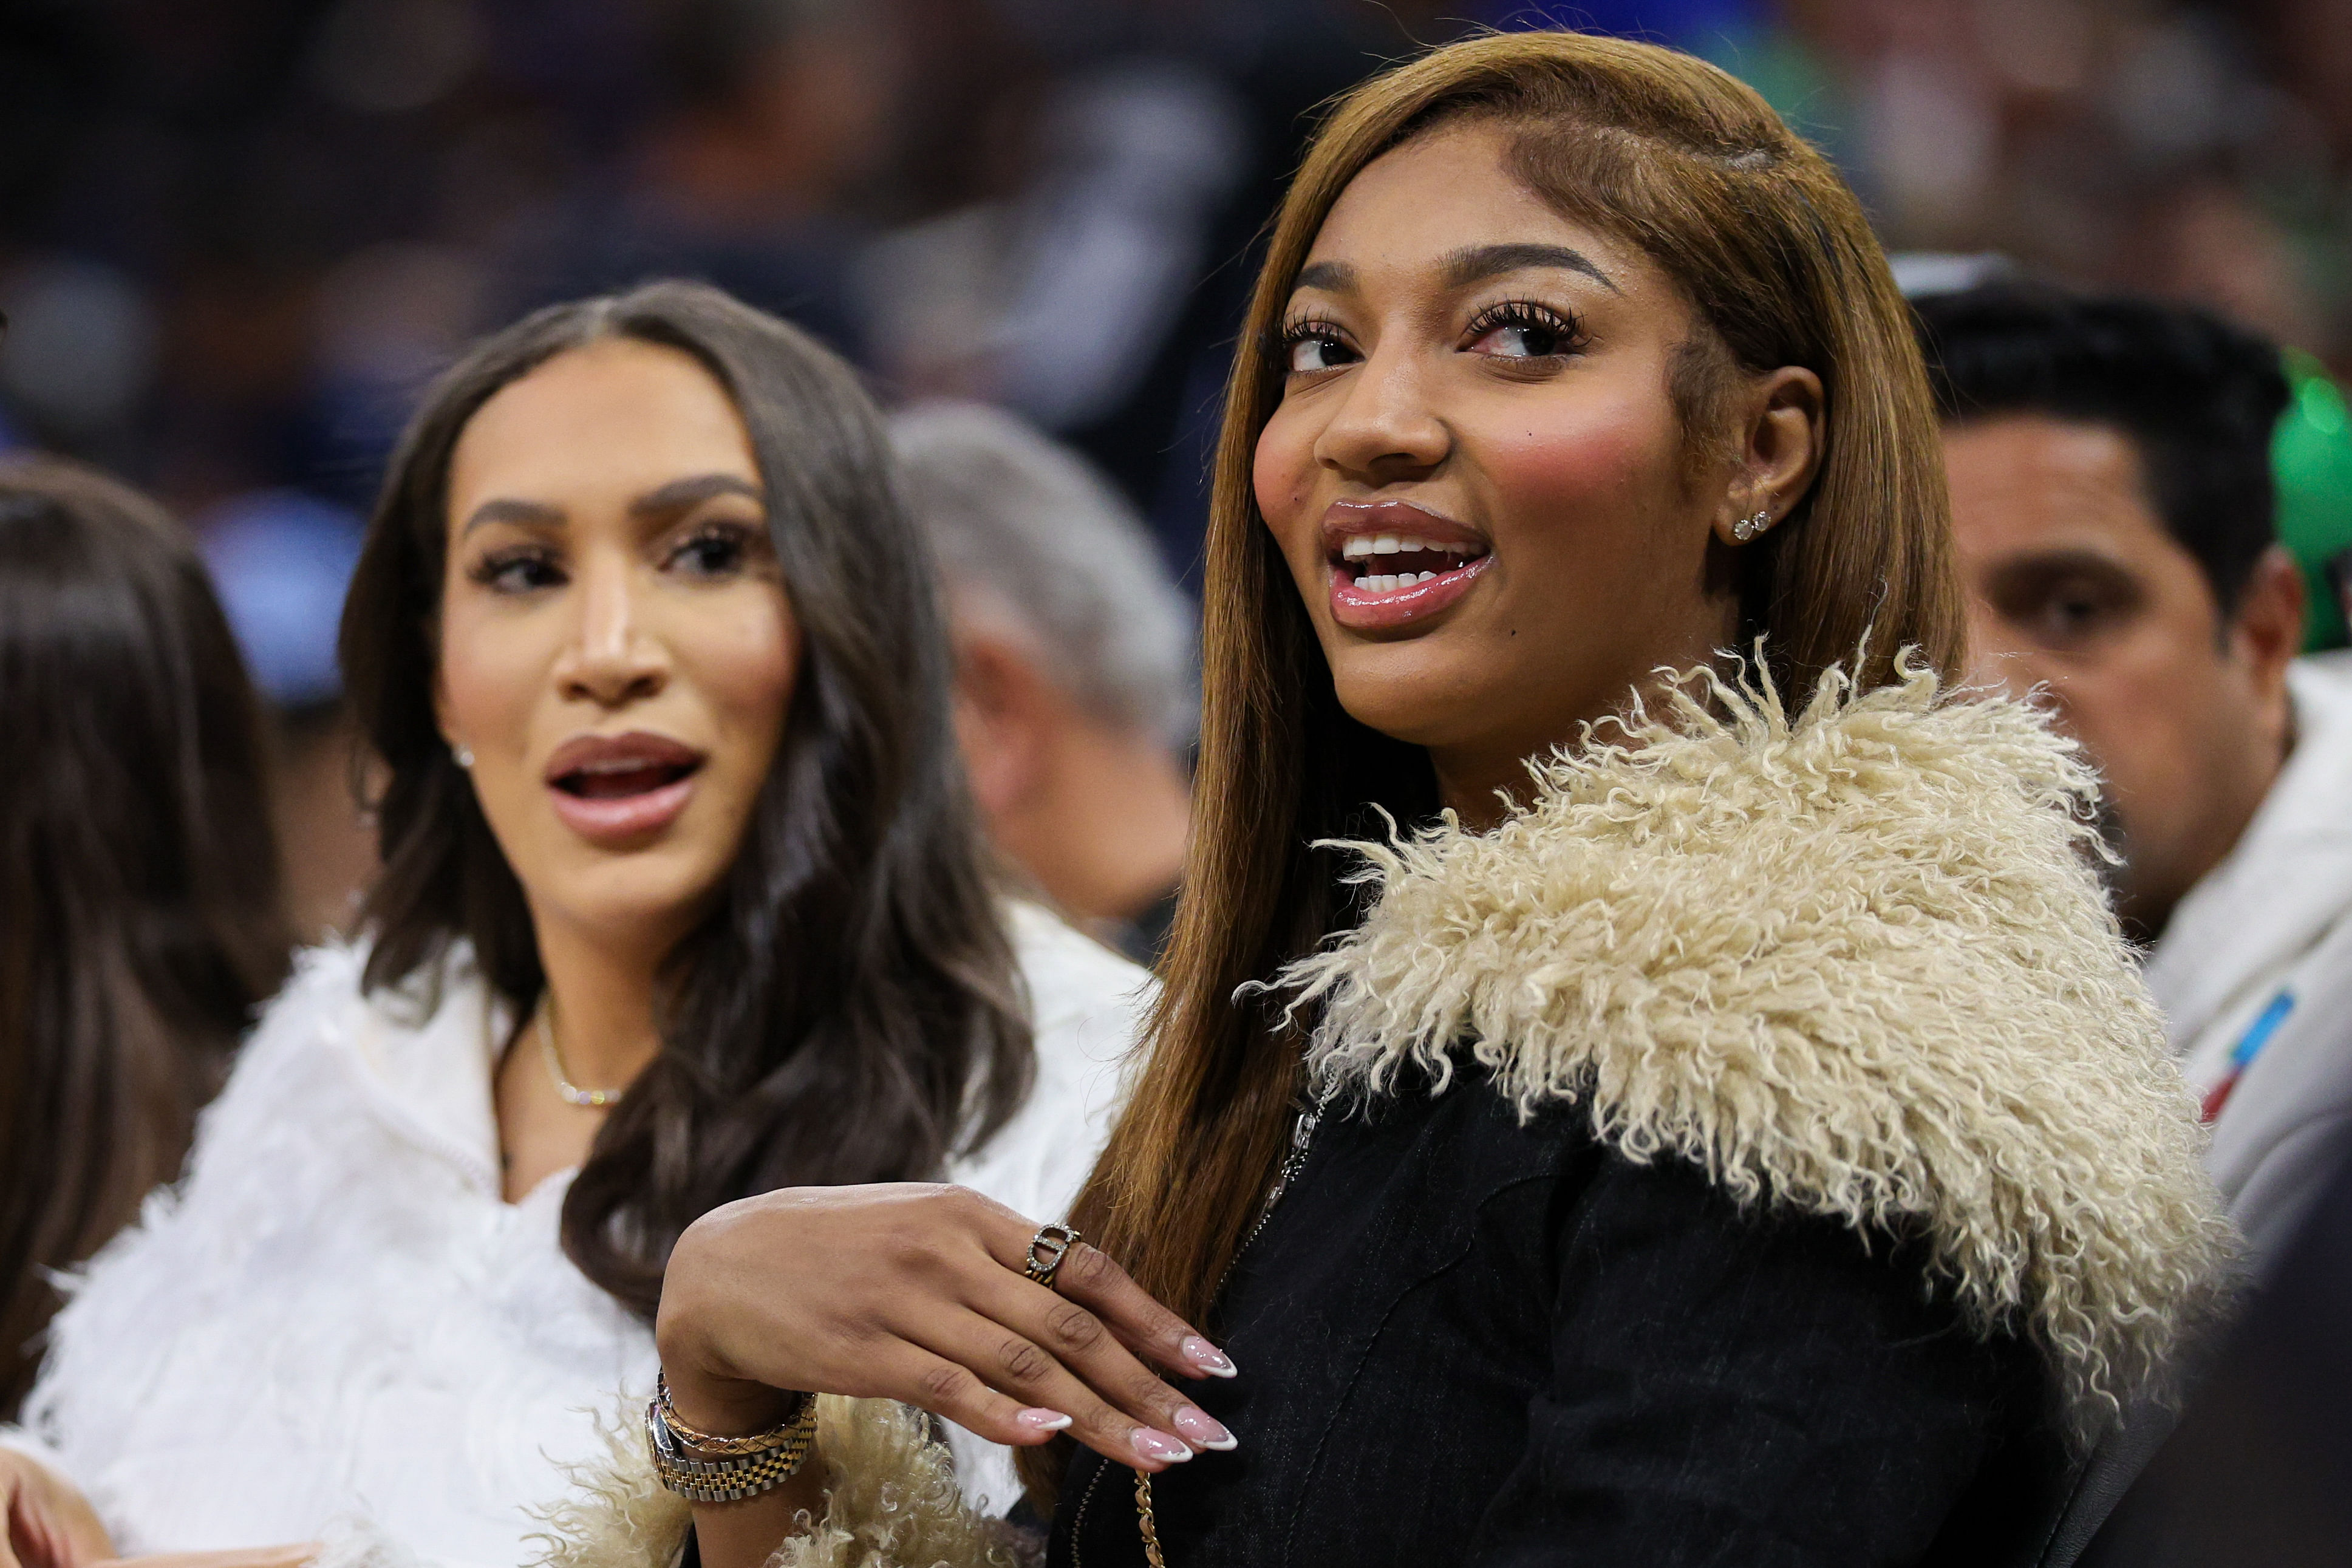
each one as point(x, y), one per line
point(236, 237)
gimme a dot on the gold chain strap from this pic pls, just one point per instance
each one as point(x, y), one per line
point(1143, 1518)
point(1302, 1133)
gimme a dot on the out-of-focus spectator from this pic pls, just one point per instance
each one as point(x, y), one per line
point(1073, 654)
point(282, 561)
point(139, 921)
point(2112, 501)
point(770, 114)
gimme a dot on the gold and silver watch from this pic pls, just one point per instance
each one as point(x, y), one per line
point(702, 1468)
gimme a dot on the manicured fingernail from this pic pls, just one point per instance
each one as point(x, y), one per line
point(1038, 1418)
point(1208, 1357)
point(1202, 1427)
point(1153, 1444)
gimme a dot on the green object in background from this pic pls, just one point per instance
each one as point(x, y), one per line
point(2311, 460)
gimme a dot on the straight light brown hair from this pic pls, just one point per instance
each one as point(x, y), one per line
point(1775, 256)
point(141, 921)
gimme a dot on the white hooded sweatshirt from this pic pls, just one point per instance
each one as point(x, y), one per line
point(336, 1327)
point(2254, 974)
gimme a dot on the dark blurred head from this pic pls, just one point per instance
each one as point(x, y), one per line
point(770, 106)
point(140, 917)
point(2110, 465)
point(840, 1004)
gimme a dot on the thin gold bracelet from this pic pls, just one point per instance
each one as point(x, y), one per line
point(703, 1442)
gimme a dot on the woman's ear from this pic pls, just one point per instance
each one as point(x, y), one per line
point(1780, 451)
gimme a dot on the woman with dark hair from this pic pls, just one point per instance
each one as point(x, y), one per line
point(1702, 1117)
point(681, 901)
point(141, 924)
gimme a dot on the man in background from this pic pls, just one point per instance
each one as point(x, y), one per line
point(1075, 678)
point(2113, 509)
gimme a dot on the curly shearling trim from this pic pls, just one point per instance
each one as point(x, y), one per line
point(891, 1502)
point(1857, 963)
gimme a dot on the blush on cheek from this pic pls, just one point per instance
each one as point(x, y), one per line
point(1604, 461)
point(1282, 471)
point(489, 683)
point(747, 661)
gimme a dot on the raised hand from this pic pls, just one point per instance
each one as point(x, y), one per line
point(916, 1293)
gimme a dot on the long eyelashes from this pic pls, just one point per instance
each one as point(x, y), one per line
point(1284, 348)
point(711, 551)
point(1557, 332)
point(516, 569)
point(1542, 331)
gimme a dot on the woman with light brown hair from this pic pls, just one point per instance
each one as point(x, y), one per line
point(1614, 1098)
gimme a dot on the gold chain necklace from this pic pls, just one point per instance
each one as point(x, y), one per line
point(592, 1099)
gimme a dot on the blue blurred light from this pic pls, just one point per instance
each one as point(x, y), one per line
point(282, 561)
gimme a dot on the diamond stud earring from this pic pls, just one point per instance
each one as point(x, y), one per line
point(464, 753)
point(1748, 528)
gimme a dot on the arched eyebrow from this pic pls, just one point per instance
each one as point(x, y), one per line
point(1330, 277)
point(1480, 262)
point(679, 495)
point(522, 513)
point(1464, 268)
point(662, 501)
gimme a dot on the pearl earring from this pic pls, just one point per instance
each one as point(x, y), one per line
point(463, 753)
point(1748, 528)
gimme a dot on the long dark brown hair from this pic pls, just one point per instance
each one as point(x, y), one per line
point(849, 1011)
point(1775, 255)
point(141, 921)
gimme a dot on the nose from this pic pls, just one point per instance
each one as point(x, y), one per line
point(613, 658)
point(1385, 429)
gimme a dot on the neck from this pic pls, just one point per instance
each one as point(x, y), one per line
point(603, 992)
point(1473, 787)
point(1474, 777)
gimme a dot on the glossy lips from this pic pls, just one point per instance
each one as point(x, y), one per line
point(1367, 544)
point(614, 790)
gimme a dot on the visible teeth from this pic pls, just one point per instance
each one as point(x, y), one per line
point(1360, 546)
point(1390, 581)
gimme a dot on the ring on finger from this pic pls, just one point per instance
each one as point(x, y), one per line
point(1047, 1248)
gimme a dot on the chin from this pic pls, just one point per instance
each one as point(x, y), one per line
point(1416, 691)
point(656, 895)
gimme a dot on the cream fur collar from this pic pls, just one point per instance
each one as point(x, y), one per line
point(1855, 962)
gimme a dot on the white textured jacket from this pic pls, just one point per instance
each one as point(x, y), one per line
point(336, 1327)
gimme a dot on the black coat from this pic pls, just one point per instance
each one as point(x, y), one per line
point(1466, 1339)
point(1810, 1149)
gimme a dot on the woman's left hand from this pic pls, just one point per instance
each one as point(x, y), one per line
point(915, 1293)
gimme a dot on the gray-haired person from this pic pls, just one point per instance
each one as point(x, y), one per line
point(1075, 663)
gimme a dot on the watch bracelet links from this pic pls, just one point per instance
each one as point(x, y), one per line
point(733, 1478)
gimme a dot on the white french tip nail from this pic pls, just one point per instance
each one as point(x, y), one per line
point(1043, 1420)
point(1208, 1358)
